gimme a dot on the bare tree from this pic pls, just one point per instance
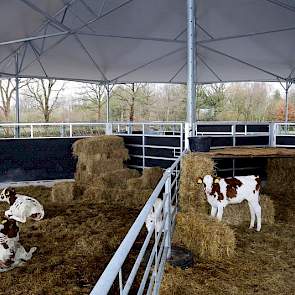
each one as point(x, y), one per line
point(7, 91)
point(45, 94)
point(93, 97)
point(129, 94)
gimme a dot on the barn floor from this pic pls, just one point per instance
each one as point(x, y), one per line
point(264, 264)
point(75, 243)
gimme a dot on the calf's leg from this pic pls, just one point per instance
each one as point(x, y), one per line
point(219, 212)
point(213, 211)
point(252, 213)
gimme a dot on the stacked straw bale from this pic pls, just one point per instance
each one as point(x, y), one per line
point(206, 237)
point(238, 214)
point(280, 176)
point(149, 179)
point(115, 179)
point(281, 186)
point(64, 192)
point(117, 196)
point(125, 186)
point(97, 155)
point(191, 193)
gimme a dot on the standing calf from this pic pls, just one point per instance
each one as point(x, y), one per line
point(223, 191)
point(21, 207)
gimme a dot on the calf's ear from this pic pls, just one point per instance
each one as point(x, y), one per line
point(200, 180)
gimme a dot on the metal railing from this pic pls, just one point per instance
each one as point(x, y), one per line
point(284, 131)
point(234, 130)
point(158, 240)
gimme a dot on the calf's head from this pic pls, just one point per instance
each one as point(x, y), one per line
point(8, 195)
point(208, 181)
point(9, 228)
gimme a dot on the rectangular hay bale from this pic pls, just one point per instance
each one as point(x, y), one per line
point(206, 237)
point(192, 194)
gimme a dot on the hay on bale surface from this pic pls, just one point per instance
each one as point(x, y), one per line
point(64, 192)
point(280, 176)
point(206, 237)
point(107, 146)
point(115, 179)
point(238, 214)
point(281, 186)
point(86, 172)
point(123, 197)
point(149, 179)
point(191, 193)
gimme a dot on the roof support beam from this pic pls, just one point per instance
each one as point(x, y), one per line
point(146, 64)
point(241, 61)
point(37, 54)
point(177, 72)
point(209, 68)
point(51, 19)
point(91, 58)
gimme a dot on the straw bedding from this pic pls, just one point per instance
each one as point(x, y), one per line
point(263, 264)
point(191, 193)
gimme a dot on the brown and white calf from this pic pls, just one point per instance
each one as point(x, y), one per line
point(12, 253)
point(21, 207)
point(221, 192)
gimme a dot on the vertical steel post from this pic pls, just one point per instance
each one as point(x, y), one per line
point(191, 69)
point(286, 102)
point(167, 210)
point(17, 120)
point(108, 102)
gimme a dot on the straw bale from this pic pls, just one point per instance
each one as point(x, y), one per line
point(206, 237)
point(134, 183)
point(115, 179)
point(107, 145)
point(85, 173)
point(64, 192)
point(238, 214)
point(191, 193)
point(149, 179)
point(280, 176)
point(116, 196)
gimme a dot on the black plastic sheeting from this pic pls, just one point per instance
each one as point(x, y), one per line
point(51, 158)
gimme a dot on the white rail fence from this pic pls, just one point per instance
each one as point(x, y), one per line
point(154, 250)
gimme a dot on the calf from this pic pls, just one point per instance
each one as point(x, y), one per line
point(221, 192)
point(156, 215)
point(12, 253)
point(21, 207)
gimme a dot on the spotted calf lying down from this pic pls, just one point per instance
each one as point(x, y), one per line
point(21, 207)
point(12, 253)
point(221, 192)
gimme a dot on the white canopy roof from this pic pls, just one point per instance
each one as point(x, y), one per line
point(145, 40)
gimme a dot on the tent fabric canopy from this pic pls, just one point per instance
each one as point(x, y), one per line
point(145, 40)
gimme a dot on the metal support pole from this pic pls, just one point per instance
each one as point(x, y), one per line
point(191, 70)
point(17, 120)
point(167, 210)
point(108, 102)
point(286, 102)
